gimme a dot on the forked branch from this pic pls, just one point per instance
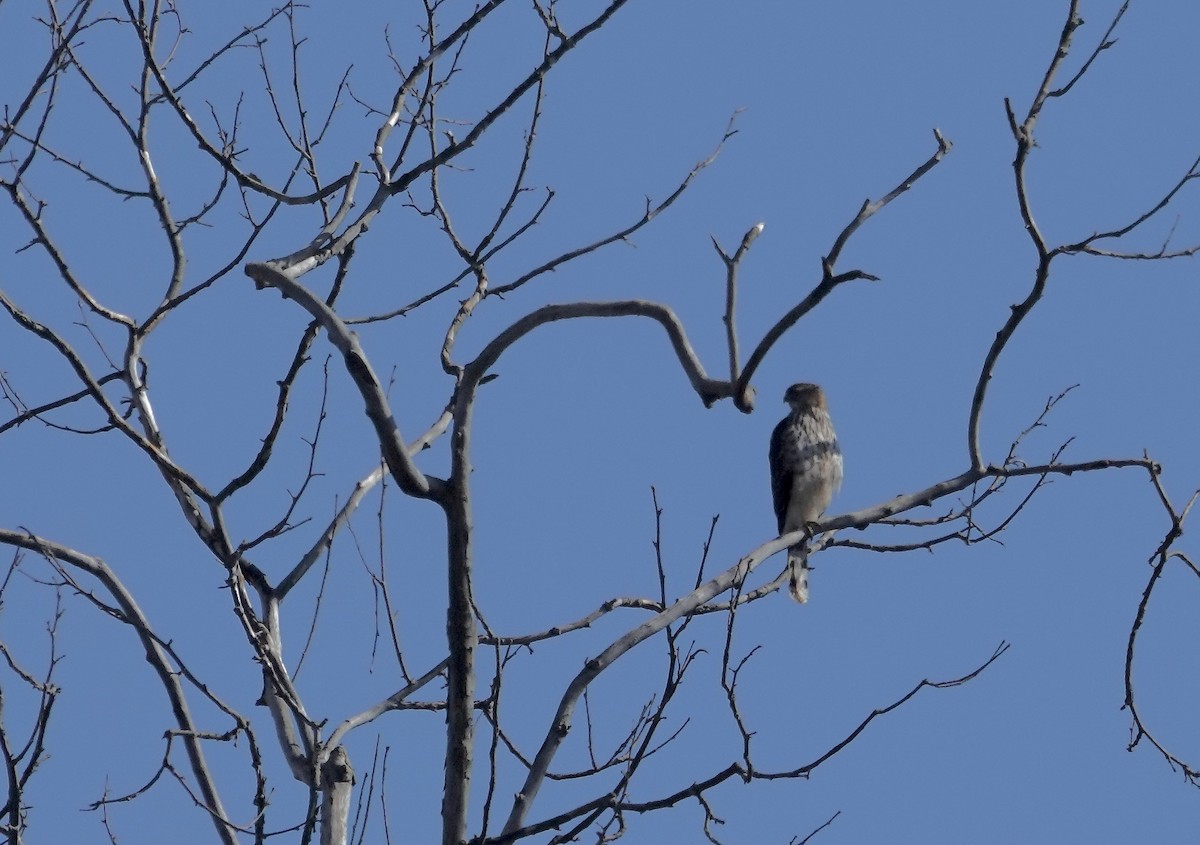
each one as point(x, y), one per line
point(742, 395)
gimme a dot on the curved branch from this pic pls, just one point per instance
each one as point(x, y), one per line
point(411, 480)
point(245, 180)
point(156, 656)
point(1022, 133)
point(1164, 555)
point(710, 390)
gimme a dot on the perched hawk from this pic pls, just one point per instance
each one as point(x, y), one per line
point(806, 470)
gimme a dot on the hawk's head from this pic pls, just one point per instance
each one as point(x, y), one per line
point(804, 396)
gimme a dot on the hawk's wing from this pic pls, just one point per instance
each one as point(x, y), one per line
point(781, 473)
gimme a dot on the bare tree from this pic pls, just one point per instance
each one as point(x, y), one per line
point(135, 108)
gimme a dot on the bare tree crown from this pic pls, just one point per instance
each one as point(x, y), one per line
point(279, 309)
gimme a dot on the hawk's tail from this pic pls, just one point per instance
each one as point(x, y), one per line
point(798, 573)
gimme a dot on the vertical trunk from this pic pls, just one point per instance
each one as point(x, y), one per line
point(337, 781)
point(461, 634)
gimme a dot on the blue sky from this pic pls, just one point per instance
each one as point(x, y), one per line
point(835, 103)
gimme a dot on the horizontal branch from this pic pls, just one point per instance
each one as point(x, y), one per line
point(921, 498)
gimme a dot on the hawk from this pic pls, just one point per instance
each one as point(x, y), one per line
point(806, 470)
